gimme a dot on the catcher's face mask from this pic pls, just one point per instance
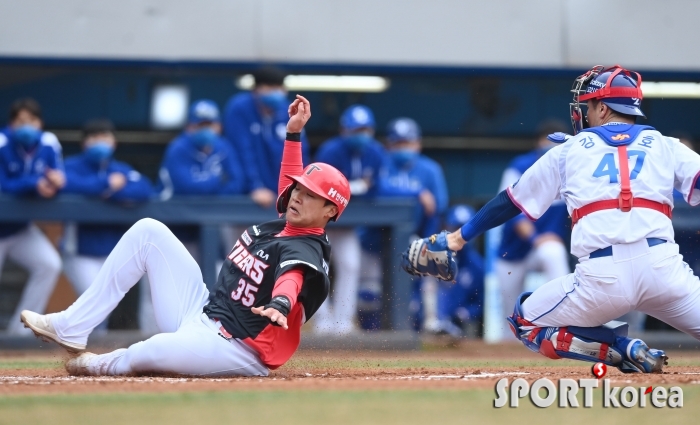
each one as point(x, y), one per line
point(579, 89)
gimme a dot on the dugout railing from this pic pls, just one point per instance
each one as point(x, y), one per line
point(395, 215)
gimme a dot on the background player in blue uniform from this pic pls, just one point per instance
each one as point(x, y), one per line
point(200, 162)
point(461, 304)
point(254, 122)
point(96, 173)
point(30, 165)
point(360, 158)
point(407, 173)
point(527, 246)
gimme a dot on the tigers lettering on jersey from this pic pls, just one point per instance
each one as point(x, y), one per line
point(249, 264)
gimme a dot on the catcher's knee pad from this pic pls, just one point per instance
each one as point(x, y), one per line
point(607, 343)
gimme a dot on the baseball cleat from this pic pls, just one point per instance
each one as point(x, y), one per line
point(80, 366)
point(41, 325)
point(647, 360)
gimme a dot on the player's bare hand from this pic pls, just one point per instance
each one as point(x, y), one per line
point(55, 177)
point(427, 200)
point(117, 181)
point(272, 314)
point(45, 188)
point(263, 197)
point(299, 114)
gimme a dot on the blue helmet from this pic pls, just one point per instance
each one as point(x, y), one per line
point(458, 216)
point(617, 87)
point(402, 130)
point(204, 110)
point(357, 116)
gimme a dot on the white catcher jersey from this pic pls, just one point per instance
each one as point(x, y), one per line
point(585, 169)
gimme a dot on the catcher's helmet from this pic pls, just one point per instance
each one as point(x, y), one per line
point(357, 116)
point(325, 181)
point(402, 130)
point(617, 87)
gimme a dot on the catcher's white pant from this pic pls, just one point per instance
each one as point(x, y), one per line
point(190, 343)
point(549, 257)
point(653, 280)
point(32, 250)
point(337, 313)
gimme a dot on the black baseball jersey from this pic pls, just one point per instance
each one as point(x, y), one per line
point(251, 269)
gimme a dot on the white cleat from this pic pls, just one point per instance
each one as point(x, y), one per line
point(80, 366)
point(41, 325)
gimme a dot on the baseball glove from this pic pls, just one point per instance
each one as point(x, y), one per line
point(430, 257)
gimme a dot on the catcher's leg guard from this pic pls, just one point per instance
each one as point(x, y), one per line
point(607, 343)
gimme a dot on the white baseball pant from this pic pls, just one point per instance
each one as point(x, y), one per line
point(654, 280)
point(190, 343)
point(82, 270)
point(32, 250)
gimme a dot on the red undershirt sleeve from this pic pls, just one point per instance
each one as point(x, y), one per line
point(289, 285)
point(292, 164)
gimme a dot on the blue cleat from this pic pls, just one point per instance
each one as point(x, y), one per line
point(641, 358)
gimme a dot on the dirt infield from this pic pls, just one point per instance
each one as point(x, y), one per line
point(471, 365)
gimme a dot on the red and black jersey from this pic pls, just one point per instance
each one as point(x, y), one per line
point(247, 279)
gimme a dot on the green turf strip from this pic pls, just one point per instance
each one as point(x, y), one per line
point(327, 407)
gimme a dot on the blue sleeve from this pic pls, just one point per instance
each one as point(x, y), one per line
point(92, 184)
point(235, 180)
point(55, 158)
point(138, 188)
point(181, 178)
point(237, 131)
point(496, 212)
point(23, 185)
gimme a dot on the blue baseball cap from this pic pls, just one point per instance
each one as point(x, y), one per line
point(458, 216)
point(204, 110)
point(402, 130)
point(357, 116)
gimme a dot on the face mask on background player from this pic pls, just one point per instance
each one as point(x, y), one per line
point(203, 138)
point(27, 136)
point(403, 157)
point(99, 152)
point(274, 99)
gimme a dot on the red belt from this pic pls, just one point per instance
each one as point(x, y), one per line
point(626, 201)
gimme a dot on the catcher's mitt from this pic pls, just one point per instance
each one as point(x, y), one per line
point(430, 257)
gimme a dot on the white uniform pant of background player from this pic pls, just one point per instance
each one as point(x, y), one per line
point(653, 280)
point(189, 343)
point(32, 250)
point(550, 258)
point(337, 313)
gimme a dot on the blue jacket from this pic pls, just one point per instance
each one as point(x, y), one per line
point(367, 164)
point(186, 170)
point(86, 178)
point(20, 171)
point(258, 140)
point(468, 291)
point(554, 220)
point(424, 173)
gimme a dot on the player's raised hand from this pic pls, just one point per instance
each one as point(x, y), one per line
point(299, 114)
point(272, 314)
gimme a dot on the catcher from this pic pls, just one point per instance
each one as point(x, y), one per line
point(617, 180)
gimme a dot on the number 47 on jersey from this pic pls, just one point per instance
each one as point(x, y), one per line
point(607, 166)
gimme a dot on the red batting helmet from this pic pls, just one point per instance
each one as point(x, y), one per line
point(325, 181)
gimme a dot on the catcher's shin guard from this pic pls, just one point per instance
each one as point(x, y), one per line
point(608, 343)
